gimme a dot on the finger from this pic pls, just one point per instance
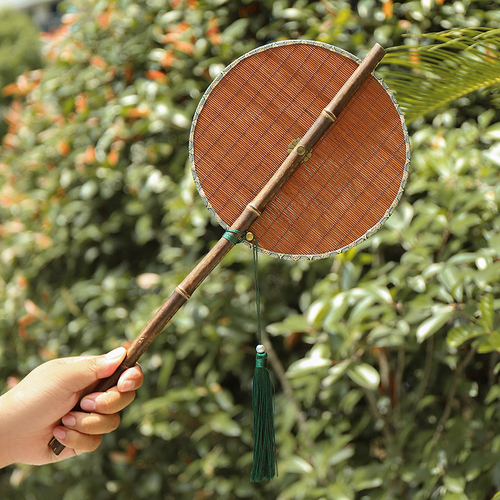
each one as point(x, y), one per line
point(76, 440)
point(131, 379)
point(91, 423)
point(111, 401)
point(76, 374)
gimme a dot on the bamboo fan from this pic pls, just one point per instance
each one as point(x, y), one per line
point(299, 146)
point(250, 117)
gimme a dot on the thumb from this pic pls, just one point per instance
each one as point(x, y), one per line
point(81, 372)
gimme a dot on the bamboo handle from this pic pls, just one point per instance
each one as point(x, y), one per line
point(184, 291)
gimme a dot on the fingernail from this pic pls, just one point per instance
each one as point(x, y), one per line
point(115, 354)
point(69, 421)
point(59, 433)
point(126, 386)
point(87, 404)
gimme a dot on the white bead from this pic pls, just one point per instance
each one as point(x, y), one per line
point(260, 349)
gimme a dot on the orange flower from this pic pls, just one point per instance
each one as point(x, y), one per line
point(387, 8)
point(186, 47)
point(98, 62)
point(69, 18)
point(22, 86)
point(11, 89)
point(113, 157)
point(43, 241)
point(13, 116)
point(89, 155)
point(157, 75)
point(213, 33)
point(103, 19)
point(170, 37)
point(59, 120)
point(81, 102)
point(22, 282)
point(63, 148)
point(168, 59)
point(138, 112)
point(11, 141)
point(22, 323)
point(174, 33)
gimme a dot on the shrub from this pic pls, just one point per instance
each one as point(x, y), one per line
point(19, 52)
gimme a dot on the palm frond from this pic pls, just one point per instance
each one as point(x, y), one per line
point(427, 77)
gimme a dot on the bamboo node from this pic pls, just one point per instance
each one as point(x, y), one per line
point(254, 210)
point(182, 292)
point(329, 115)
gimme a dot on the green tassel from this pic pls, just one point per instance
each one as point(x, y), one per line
point(264, 453)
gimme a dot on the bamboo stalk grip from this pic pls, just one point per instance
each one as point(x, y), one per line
point(327, 118)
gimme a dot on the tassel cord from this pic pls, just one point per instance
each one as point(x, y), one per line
point(264, 456)
point(257, 289)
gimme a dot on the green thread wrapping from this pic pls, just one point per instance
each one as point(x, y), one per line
point(231, 235)
point(260, 360)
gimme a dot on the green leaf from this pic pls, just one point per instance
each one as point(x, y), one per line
point(431, 325)
point(449, 495)
point(487, 310)
point(296, 465)
point(370, 476)
point(350, 400)
point(341, 456)
point(292, 323)
point(335, 372)
point(143, 229)
point(461, 334)
point(340, 491)
point(308, 365)
point(235, 30)
point(338, 307)
point(425, 77)
point(298, 489)
point(316, 312)
point(364, 375)
point(493, 393)
point(493, 132)
point(461, 223)
point(454, 482)
point(223, 423)
point(490, 343)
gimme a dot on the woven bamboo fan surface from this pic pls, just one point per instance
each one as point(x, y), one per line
point(247, 121)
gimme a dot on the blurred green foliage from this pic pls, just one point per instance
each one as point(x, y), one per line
point(390, 351)
point(19, 51)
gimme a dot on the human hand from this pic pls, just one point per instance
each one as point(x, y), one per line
point(39, 407)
